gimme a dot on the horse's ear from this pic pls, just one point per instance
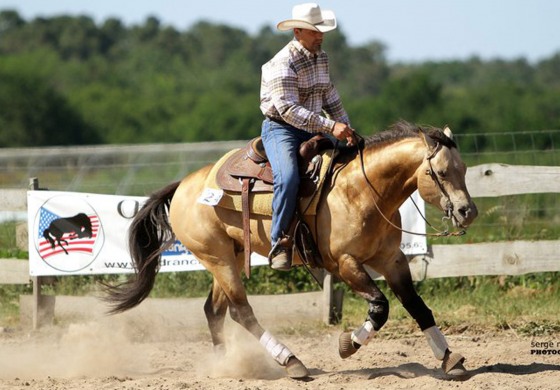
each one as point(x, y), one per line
point(447, 131)
point(428, 141)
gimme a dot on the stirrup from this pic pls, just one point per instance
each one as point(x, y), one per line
point(280, 256)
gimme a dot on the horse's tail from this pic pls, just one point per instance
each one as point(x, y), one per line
point(149, 235)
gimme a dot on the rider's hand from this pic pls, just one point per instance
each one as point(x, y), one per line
point(342, 131)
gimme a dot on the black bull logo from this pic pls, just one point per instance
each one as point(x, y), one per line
point(79, 226)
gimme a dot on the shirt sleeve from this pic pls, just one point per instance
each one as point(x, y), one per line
point(333, 106)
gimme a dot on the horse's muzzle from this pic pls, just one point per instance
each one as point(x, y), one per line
point(464, 215)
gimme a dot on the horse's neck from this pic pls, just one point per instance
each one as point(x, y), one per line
point(392, 170)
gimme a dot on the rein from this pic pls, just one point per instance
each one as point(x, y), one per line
point(449, 204)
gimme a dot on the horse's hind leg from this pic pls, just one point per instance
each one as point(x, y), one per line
point(60, 242)
point(215, 310)
point(230, 289)
point(400, 281)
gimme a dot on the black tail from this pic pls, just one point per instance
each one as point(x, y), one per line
point(149, 235)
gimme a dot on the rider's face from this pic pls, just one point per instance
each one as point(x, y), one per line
point(310, 39)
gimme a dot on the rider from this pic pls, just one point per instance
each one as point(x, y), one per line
point(295, 92)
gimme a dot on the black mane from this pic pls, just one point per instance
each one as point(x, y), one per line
point(403, 129)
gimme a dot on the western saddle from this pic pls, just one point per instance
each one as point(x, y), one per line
point(248, 170)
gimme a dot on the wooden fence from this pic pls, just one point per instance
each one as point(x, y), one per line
point(15, 271)
point(497, 258)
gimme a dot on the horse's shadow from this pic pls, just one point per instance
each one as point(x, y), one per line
point(416, 370)
point(525, 369)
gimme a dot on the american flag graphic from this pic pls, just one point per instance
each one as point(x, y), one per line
point(73, 243)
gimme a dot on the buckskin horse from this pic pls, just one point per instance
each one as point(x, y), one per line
point(357, 223)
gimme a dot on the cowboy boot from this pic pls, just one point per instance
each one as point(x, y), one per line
point(280, 257)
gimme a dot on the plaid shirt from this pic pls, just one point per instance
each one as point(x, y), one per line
point(296, 88)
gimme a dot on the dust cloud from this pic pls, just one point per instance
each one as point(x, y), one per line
point(97, 348)
point(244, 358)
point(122, 346)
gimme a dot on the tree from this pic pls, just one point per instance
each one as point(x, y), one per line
point(10, 20)
point(68, 80)
point(412, 97)
point(34, 114)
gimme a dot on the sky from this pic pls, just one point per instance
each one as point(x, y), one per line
point(412, 30)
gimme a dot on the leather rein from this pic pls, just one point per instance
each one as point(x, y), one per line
point(449, 204)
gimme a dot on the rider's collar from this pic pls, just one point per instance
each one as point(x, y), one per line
point(306, 52)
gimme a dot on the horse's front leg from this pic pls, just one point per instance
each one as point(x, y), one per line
point(353, 273)
point(397, 275)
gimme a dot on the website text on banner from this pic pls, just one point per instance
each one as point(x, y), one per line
point(73, 233)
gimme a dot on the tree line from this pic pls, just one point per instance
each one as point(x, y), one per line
point(66, 80)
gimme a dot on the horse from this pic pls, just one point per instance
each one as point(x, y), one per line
point(357, 224)
point(79, 226)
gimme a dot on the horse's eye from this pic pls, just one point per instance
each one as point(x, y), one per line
point(441, 174)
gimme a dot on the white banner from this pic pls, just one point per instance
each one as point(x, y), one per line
point(413, 221)
point(74, 233)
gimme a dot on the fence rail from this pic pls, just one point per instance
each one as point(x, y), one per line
point(14, 271)
point(497, 258)
point(488, 180)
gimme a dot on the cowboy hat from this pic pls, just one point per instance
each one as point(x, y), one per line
point(309, 16)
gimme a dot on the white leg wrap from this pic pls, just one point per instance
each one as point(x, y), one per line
point(363, 334)
point(437, 341)
point(277, 350)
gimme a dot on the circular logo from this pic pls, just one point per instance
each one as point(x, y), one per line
point(68, 233)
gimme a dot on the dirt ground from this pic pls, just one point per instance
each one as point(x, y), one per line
point(127, 352)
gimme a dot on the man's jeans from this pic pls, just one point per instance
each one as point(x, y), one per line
point(281, 142)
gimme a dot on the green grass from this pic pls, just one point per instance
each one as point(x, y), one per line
point(526, 305)
point(9, 303)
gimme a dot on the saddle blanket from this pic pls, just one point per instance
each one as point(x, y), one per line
point(261, 203)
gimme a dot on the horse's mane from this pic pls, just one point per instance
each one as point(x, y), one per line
point(403, 129)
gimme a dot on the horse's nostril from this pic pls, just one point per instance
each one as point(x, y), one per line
point(468, 212)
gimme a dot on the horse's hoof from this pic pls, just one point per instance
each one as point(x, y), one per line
point(346, 347)
point(219, 350)
point(452, 364)
point(296, 369)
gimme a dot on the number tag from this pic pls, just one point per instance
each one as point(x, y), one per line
point(210, 196)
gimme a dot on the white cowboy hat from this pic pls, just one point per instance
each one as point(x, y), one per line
point(309, 16)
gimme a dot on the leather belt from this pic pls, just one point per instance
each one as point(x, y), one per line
point(279, 121)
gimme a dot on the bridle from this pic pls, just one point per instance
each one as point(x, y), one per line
point(433, 175)
point(430, 172)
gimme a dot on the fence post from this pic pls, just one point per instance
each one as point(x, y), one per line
point(332, 300)
point(327, 297)
point(36, 300)
point(37, 304)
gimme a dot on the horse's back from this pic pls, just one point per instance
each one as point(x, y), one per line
point(194, 224)
point(189, 190)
